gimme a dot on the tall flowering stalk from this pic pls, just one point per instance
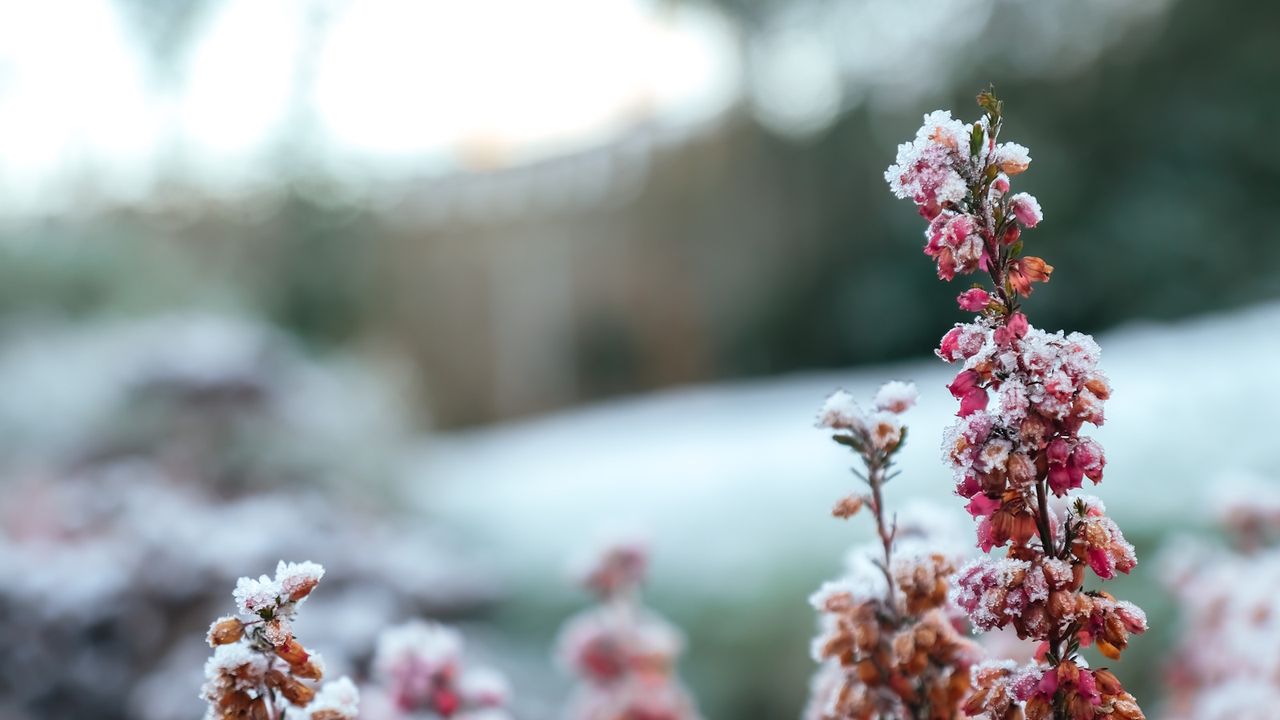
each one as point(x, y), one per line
point(623, 655)
point(888, 646)
point(259, 670)
point(1024, 396)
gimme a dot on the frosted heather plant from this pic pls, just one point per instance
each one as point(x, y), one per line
point(888, 645)
point(421, 672)
point(623, 655)
point(1226, 664)
point(1024, 396)
point(259, 670)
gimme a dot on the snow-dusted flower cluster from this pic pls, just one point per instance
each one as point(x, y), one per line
point(888, 645)
point(259, 670)
point(421, 672)
point(623, 655)
point(1226, 665)
point(1024, 396)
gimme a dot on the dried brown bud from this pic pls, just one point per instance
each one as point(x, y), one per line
point(1022, 471)
point(258, 710)
point(290, 687)
point(292, 652)
point(309, 670)
point(1038, 708)
point(847, 507)
point(225, 631)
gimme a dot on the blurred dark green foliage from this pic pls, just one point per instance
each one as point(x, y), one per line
point(1154, 165)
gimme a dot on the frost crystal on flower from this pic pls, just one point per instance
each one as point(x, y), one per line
point(1011, 158)
point(925, 170)
point(297, 579)
point(841, 412)
point(897, 396)
point(253, 596)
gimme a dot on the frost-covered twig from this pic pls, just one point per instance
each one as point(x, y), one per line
point(889, 647)
point(623, 655)
point(259, 670)
point(1024, 395)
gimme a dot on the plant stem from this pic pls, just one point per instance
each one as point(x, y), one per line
point(875, 478)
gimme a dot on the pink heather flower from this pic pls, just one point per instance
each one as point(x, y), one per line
point(966, 388)
point(1099, 542)
point(955, 243)
point(896, 396)
point(623, 656)
point(926, 169)
point(1015, 327)
point(982, 506)
point(618, 567)
point(414, 659)
point(973, 300)
point(1089, 457)
point(420, 666)
point(973, 401)
point(1000, 185)
point(1026, 208)
point(962, 342)
point(965, 381)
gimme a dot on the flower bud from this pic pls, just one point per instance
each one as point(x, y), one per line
point(289, 686)
point(292, 652)
point(1026, 208)
point(973, 300)
point(225, 631)
point(848, 507)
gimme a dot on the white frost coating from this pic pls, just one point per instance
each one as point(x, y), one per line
point(1027, 209)
point(340, 696)
point(841, 411)
point(254, 595)
point(418, 644)
point(291, 576)
point(897, 396)
point(1011, 152)
point(924, 166)
point(485, 686)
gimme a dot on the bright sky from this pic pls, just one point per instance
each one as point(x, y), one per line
point(424, 87)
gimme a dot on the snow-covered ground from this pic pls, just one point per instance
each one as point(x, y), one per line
point(734, 484)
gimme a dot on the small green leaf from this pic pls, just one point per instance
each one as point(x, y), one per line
point(987, 101)
point(849, 441)
point(975, 140)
